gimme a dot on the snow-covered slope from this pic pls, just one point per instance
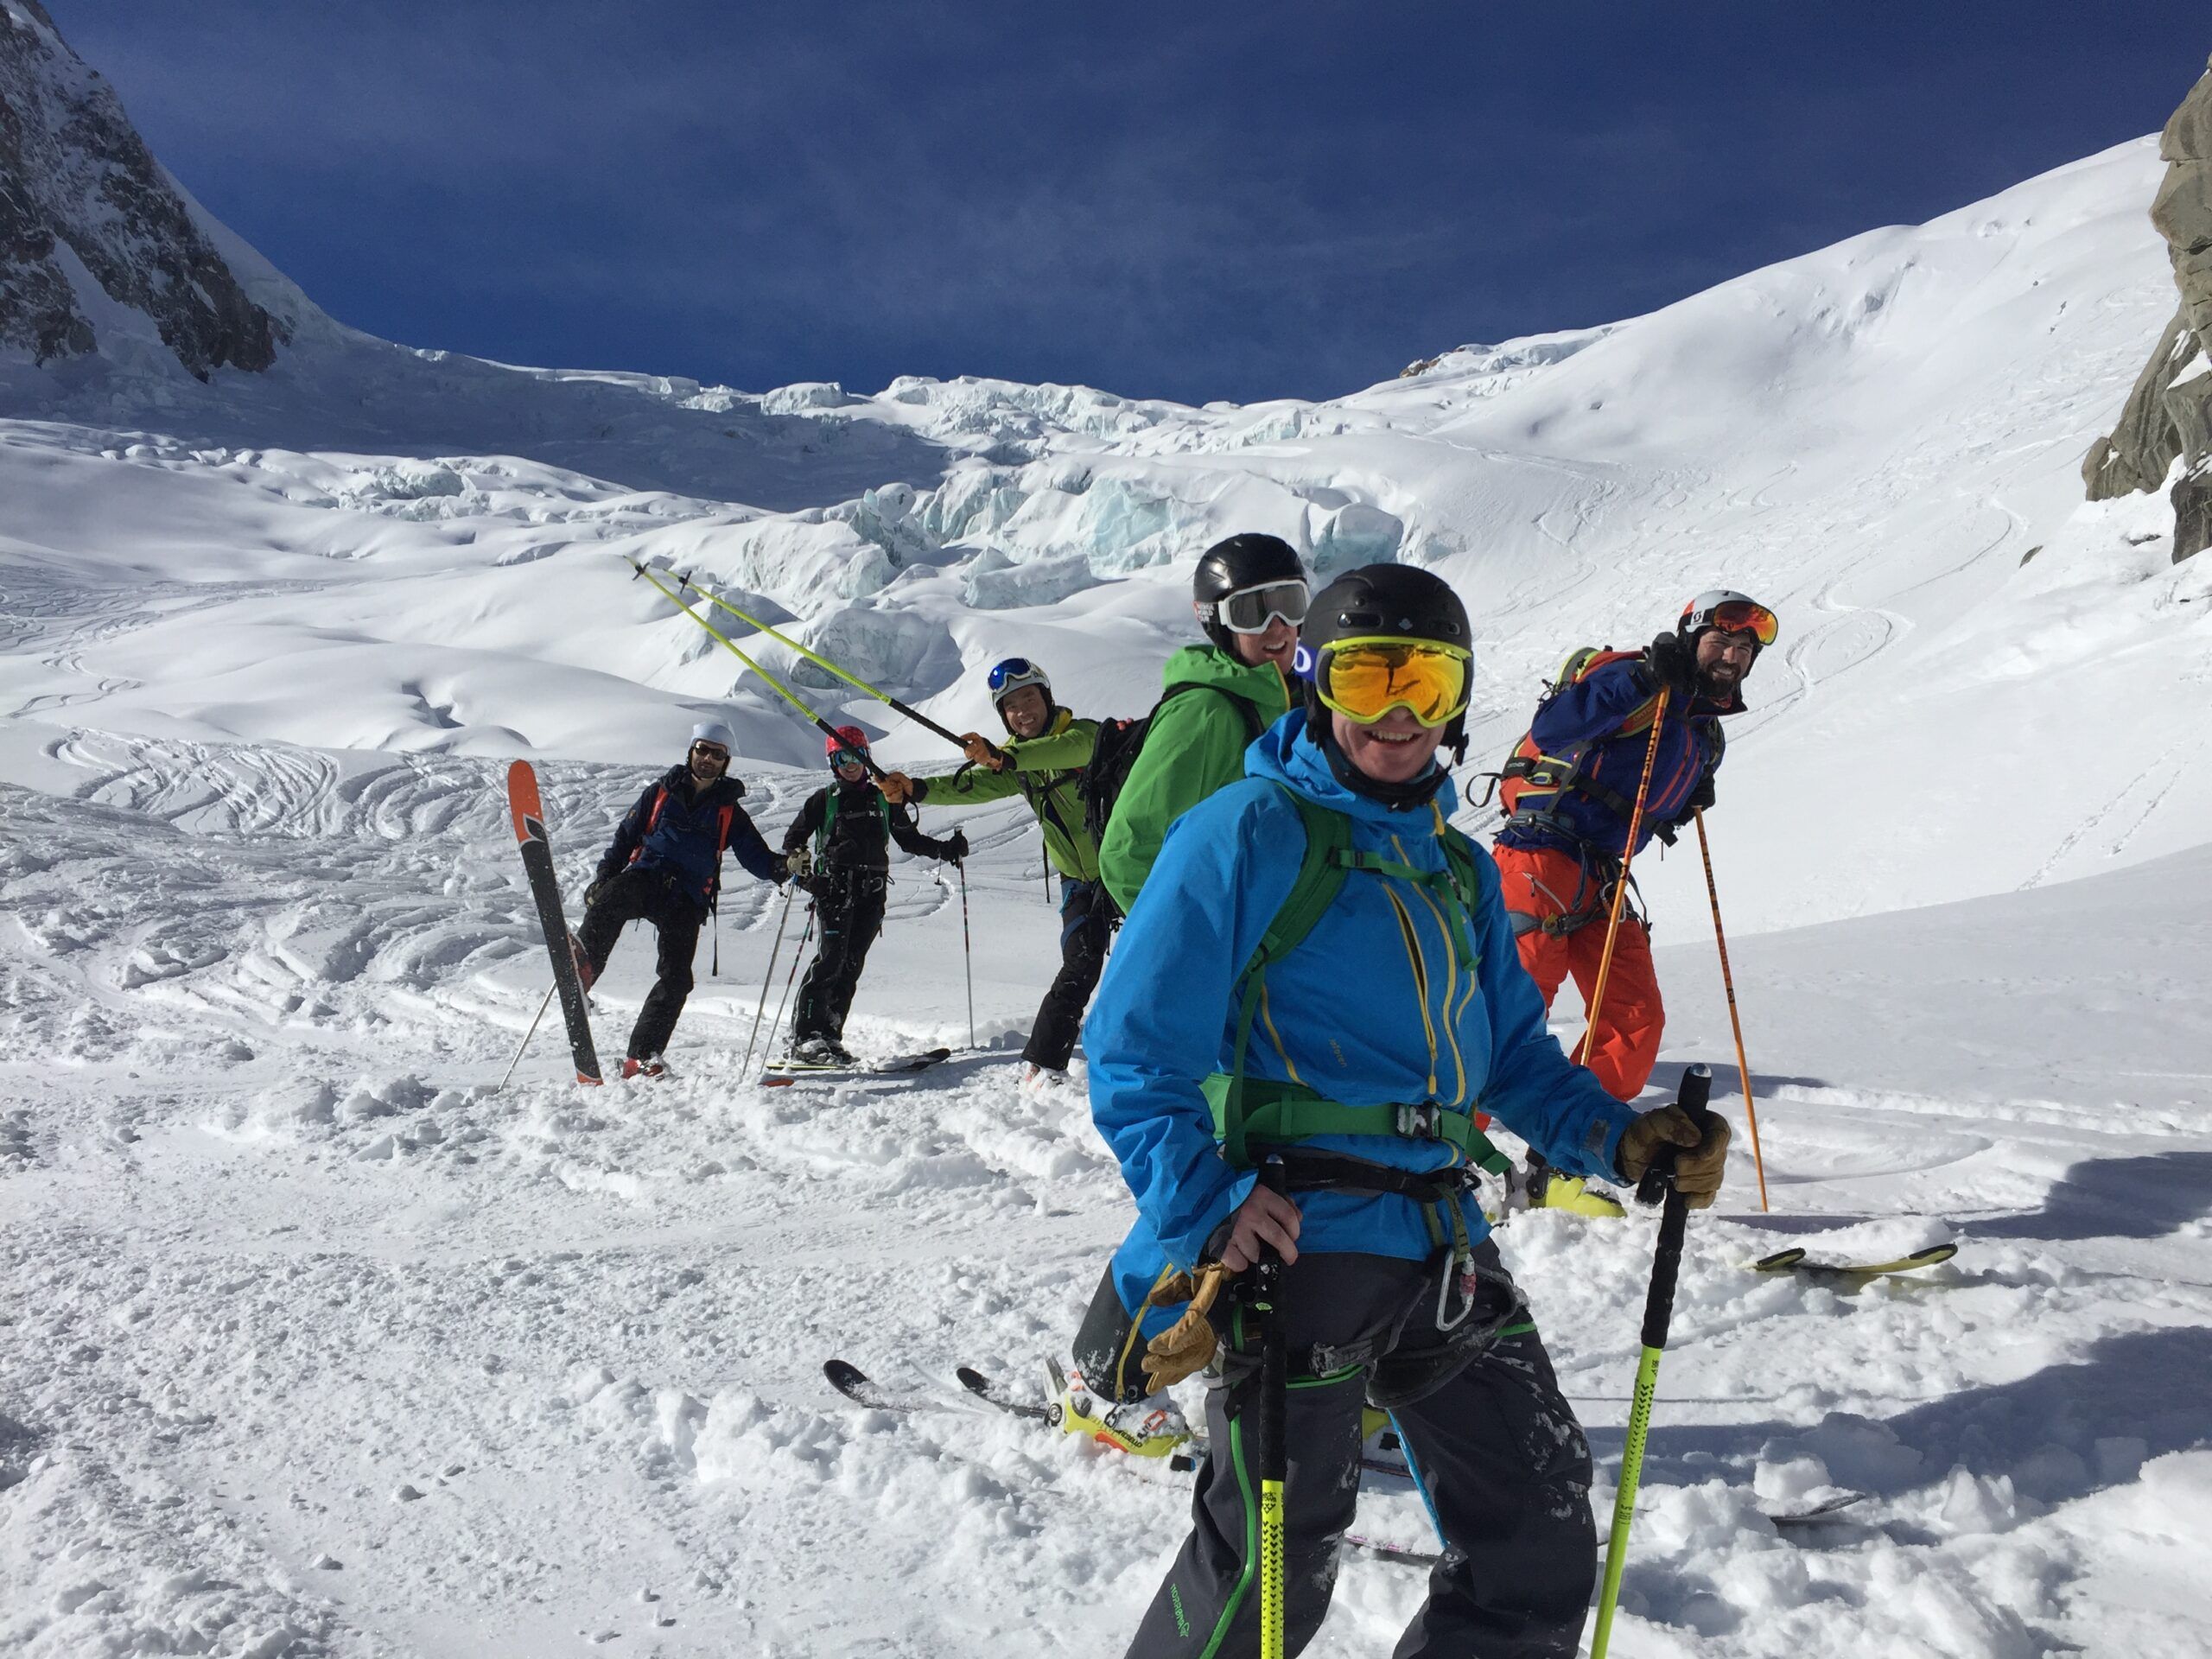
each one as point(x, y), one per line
point(1873, 438)
point(317, 1344)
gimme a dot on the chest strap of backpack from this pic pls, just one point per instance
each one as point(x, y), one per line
point(1248, 1110)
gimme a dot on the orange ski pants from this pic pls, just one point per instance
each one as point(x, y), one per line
point(1545, 884)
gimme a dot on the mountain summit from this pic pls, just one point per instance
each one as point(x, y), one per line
point(98, 244)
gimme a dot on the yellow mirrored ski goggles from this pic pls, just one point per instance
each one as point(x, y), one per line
point(1364, 679)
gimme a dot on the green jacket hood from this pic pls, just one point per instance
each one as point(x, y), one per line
point(1209, 665)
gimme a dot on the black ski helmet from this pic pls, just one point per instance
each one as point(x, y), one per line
point(1399, 601)
point(1245, 560)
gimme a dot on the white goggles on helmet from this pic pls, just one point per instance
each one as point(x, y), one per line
point(1250, 610)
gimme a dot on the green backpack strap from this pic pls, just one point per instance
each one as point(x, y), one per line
point(1328, 858)
point(1320, 878)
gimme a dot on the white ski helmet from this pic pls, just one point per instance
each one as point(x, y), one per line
point(713, 731)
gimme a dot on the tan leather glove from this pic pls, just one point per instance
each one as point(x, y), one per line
point(1699, 1162)
point(898, 788)
point(1185, 1348)
point(980, 750)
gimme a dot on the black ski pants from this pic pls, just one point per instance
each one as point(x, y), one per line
point(1498, 1450)
point(1086, 927)
point(848, 916)
point(663, 899)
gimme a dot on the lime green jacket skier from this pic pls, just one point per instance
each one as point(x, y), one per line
point(1043, 769)
point(1195, 745)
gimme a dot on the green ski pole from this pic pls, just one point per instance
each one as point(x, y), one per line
point(1658, 1312)
point(818, 660)
point(774, 685)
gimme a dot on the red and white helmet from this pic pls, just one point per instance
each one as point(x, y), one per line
point(1731, 612)
point(849, 746)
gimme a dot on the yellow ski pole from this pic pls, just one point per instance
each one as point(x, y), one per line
point(1658, 1313)
point(815, 658)
point(1728, 984)
point(774, 685)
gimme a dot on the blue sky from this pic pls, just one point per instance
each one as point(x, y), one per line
point(1196, 201)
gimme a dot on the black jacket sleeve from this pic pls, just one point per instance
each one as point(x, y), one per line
point(908, 834)
point(629, 836)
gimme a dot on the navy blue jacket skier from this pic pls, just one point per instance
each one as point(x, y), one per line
point(664, 867)
point(1357, 1052)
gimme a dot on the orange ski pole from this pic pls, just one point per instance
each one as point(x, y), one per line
point(1589, 1044)
point(1728, 983)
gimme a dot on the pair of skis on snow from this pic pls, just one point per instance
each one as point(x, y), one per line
point(527, 809)
point(862, 1390)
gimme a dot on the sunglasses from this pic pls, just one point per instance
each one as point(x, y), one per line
point(1250, 610)
point(1014, 668)
point(1365, 679)
point(712, 751)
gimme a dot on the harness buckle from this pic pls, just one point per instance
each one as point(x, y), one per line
point(1421, 1122)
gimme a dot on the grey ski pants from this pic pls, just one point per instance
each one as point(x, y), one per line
point(1499, 1450)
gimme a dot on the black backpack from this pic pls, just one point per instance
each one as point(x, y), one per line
point(1119, 743)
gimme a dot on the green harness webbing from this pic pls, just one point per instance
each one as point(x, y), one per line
point(830, 821)
point(1247, 1109)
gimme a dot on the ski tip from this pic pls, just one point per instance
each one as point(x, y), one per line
point(1932, 1255)
point(844, 1374)
point(972, 1380)
point(1780, 1261)
point(589, 1081)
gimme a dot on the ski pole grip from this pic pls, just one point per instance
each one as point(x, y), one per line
point(1697, 1088)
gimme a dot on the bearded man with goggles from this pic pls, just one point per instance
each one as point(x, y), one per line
point(1319, 970)
point(1569, 791)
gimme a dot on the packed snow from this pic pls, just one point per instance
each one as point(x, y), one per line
point(319, 1342)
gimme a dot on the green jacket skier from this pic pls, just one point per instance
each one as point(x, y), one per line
point(1250, 592)
point(1042, 760)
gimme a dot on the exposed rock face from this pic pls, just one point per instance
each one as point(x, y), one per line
point(2169, 413)
point(83, 201)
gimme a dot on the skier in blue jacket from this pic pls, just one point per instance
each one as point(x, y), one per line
point(1390, 1005)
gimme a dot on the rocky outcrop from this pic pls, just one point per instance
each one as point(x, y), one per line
point(83, 202)
point(2168, 416)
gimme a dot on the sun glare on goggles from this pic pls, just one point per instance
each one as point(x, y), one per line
point(1365, 679)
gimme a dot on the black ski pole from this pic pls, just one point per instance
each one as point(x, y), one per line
point(1274, 1454)
point(799, 955)
point(1658, 1312)
point(967, 951)
point(548, 1002)
point(791, 891)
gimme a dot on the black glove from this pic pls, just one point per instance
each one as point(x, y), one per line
point(1701, 797)
point(956, 847)
point(596, 890)
point(1673, 662)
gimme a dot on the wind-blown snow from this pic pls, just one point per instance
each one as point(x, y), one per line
point(318, 1343)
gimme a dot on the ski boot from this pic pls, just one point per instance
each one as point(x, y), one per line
point(1549, 1190)
point(652, 1068)
point(1038, 1080)
point(1151, 1427)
